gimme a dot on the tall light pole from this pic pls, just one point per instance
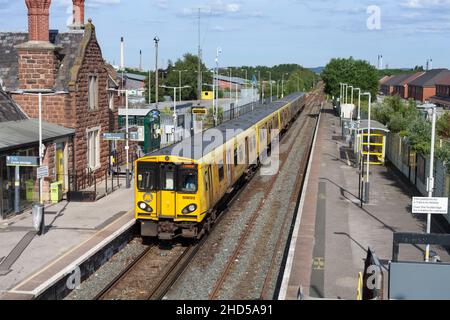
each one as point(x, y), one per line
point(367, 183)
point(179, 78)
point(351, 96)
point(175, 115)
point(156, 39)
point(431, 178)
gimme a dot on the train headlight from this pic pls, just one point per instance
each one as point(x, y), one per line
point(190, 208)
point(145, 207)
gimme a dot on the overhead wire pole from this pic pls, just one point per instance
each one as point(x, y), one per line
point(175, 115)
point(180, 71)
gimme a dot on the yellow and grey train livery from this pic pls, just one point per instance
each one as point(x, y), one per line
point(178, 188)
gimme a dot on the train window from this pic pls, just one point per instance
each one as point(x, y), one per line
point(221, 171)
point(236, 162)
point(168, 178)
point(187, 181)
point(147, 174)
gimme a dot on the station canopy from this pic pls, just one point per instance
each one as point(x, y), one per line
point(374, 125)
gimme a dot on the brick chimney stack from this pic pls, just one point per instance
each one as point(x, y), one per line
point(37, 59)
point(78, 12)
point(38, 19)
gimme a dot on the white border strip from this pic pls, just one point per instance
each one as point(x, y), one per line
point(290, 260)
point(70, 268)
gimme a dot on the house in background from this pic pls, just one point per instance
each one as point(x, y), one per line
point(442, 97)
point(401, 86)
point(80, 92)
point(387, 87)
point(382, 82)
point(424, 87)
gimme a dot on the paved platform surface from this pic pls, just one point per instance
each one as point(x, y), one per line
point(335, 231)
point(72, 230)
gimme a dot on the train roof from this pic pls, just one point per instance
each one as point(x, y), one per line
point(197, 146)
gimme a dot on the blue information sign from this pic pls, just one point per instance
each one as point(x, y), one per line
point(114, 136)
point(16, 161)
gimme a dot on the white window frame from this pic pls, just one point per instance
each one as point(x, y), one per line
point(97, 161)
point(93, 92)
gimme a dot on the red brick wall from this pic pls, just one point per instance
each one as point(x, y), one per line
point(428, 93)
point(93, 65)
point(37, 68)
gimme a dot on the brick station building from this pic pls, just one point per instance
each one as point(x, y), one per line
point(77, 85)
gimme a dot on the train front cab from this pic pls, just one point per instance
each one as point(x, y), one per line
point(167, 196)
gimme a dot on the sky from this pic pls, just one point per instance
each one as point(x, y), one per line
point(261, 32)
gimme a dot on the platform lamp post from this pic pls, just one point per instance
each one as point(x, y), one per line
point(282, 85)
point(431, 178)
point(175, 115)
point(156, 40)
point(367, 182)
point(45, 93)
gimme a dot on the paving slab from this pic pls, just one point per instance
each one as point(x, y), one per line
point(69, 226)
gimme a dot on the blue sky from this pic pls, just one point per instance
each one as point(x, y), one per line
point(267, 32)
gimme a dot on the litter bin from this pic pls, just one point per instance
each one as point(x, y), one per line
point(56, 192)
point(29, 188)
point(38, 218)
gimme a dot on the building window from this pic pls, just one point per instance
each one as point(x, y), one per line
point(93, 92)
point(111, 101)
point(93, 148)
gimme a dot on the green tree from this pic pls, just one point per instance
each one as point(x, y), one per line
point(353, 72)
point(443, 126)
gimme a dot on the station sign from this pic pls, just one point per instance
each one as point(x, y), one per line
point(114, 136)
point(42, 172)
point(16, 161)
point(430, 205)
point(200, 111)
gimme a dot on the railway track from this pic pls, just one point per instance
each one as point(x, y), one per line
point(234, 257)
point(156, 270)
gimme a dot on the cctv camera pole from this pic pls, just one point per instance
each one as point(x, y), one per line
point(156, 39)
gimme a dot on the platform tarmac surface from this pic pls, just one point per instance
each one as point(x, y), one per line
point(335, 232)
point(72, 229)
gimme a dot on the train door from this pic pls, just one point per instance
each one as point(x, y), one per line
point(167, 202)
point(208, 187)
point(247, 153)
point(228, 157)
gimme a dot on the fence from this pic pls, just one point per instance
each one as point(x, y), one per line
point(415, 167)
point(90, 186)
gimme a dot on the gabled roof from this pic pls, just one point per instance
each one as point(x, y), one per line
point(383, 80)
point(9, 111)
point(396, 80)
point(411, 77)
point(430, 78)
point(69, 44)
point(445, 80)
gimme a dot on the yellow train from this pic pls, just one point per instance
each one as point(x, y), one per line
point(179, 188)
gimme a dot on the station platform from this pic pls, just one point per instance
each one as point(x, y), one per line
point(78, 236)
point(333, 232)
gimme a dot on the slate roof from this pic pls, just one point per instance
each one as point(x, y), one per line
point(9, 111)
point(69, 43)
point(396, 80)
point(236, 80)
point(14, 134)
point(430, 78)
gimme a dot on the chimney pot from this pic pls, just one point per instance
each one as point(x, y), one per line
point(78, 12)
point(38, 19)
